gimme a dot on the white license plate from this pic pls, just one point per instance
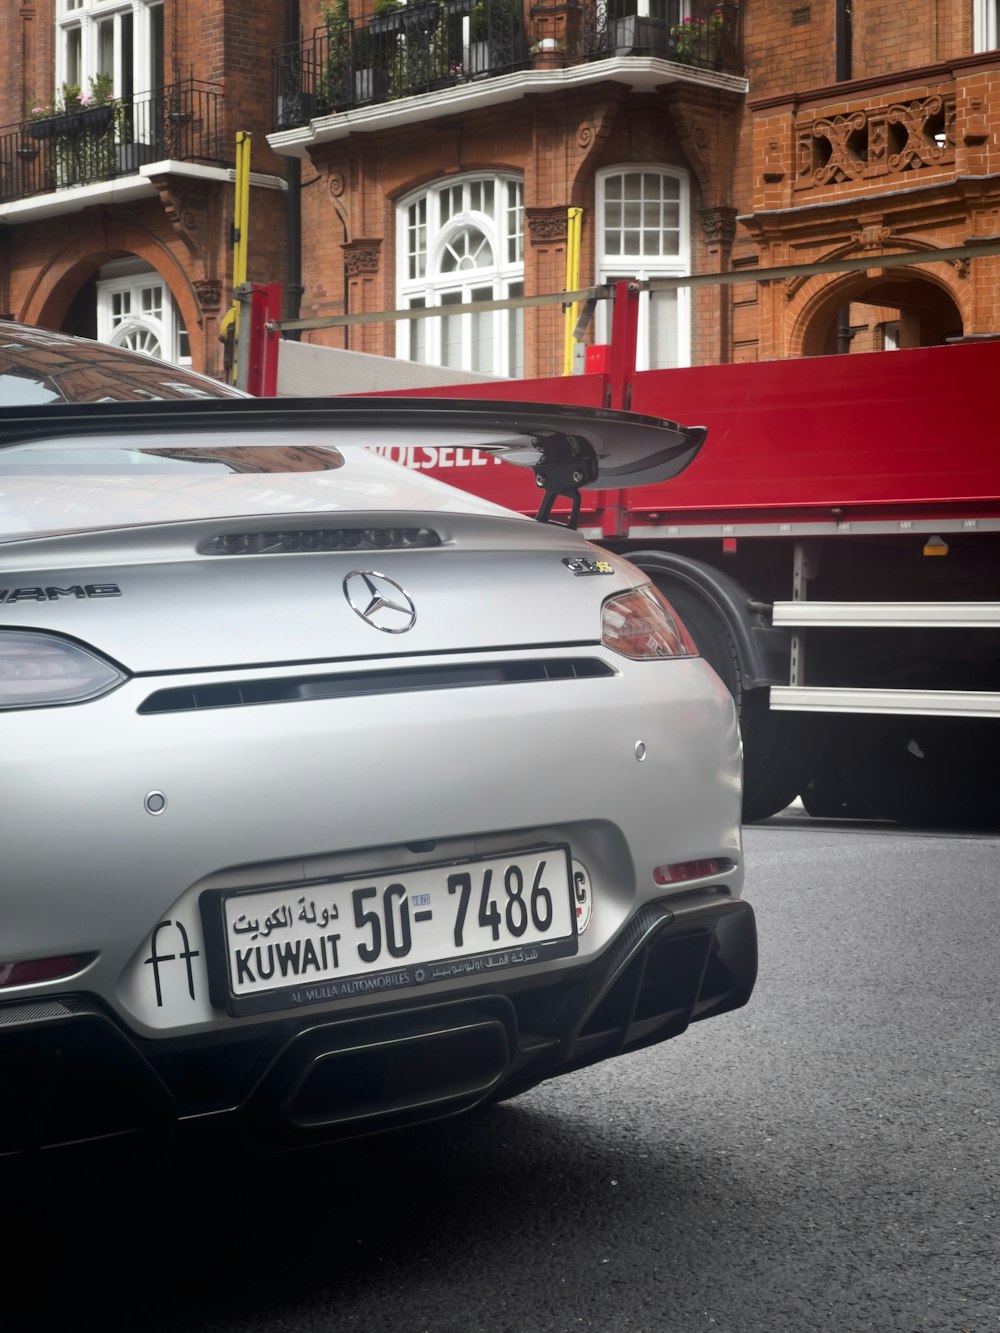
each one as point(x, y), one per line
point(399, 927)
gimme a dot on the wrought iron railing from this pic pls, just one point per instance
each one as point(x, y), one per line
point(182, 121)
point(422, 45)
point(689, 32)
point(416, 48)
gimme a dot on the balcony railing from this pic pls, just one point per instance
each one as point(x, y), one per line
point(97, 143)
point(416, 48)
point(689, 32)
point(428, 44)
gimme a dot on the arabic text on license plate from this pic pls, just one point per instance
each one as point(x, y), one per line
point(510, 908)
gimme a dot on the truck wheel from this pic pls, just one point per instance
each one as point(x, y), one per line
point(774, 757)
point(925, 771)
point(828, 794)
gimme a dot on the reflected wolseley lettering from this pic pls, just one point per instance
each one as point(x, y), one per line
point(422, 456)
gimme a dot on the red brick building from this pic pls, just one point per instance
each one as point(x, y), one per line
point(423, 155)
point(117, 129)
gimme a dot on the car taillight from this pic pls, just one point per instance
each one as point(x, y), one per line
point(643, 624)
point(684, 870)
point(38, 669)
point(33, 970)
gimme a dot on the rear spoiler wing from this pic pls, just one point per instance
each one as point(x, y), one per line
point(569, 448)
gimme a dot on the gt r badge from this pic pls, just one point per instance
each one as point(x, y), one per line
point(580, 565)
point(379, 601)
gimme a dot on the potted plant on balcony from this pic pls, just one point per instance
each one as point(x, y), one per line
point(698, 39)
point(420, 17)
point(479, 39)
point(74, 112)
point(330, 90)
point(80, 126)
point(373, 51)
point(641, 32)
point(386, 18)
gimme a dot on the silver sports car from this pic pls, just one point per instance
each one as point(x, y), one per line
point(332, 798)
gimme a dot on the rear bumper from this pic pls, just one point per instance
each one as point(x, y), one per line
point(74, 1074)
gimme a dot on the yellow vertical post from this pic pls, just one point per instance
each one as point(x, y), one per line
point(574, 229)
point(240, 238)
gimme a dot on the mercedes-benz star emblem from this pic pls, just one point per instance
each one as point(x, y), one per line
point(380, 602)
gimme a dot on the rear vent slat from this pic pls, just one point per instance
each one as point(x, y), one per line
point(298, 541)
point(352, 684)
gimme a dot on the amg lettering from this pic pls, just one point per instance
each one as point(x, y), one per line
point(53, 593)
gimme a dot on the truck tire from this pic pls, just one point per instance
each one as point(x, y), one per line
point(828, 794)
point(774, 755)
point(928, 772)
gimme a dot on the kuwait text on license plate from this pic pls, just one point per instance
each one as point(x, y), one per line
point(305, 943)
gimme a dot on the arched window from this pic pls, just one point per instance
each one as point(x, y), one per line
point(461, 241)
point(136, 310)
point(643, 231)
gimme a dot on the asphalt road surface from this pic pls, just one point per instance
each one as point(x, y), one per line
point(825, 1159)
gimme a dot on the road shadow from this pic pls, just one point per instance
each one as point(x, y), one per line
point(199, 1241)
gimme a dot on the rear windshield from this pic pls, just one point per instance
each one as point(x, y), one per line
point(38, 367)
point(93, 459)
point(92, 483)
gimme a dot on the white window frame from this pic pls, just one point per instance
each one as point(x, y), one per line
point(985, 25)
point(87, 17)
point(433, 287)
point(612, 267)
point(131, 275)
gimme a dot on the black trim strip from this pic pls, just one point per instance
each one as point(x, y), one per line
point(352, 684)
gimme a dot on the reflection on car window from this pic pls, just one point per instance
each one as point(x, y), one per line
point(95, 460)
point(18, 388)
point(41, 367)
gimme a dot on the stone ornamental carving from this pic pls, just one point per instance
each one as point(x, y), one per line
point(362, 256)
point(880, 141)
point(209, 292)
point(718, 225)
point(546, 224)
point(930, 133)
point(841, 144)
point(591, 133)
point(872, 237)
point(184, 211)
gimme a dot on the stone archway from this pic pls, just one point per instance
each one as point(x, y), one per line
point(900, 308)
point(59, 284)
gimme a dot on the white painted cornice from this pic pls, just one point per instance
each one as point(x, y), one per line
point(122, 190)
point(641, 74)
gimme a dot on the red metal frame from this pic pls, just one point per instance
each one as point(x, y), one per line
point(265, 306)
point(890, 434)
point(871, 436)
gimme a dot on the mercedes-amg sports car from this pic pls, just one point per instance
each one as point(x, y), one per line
point(332, 798)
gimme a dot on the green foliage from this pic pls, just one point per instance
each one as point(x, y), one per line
point(70, 98)
point(478, 23)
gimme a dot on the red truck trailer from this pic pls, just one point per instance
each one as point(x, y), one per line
point(834, 550)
